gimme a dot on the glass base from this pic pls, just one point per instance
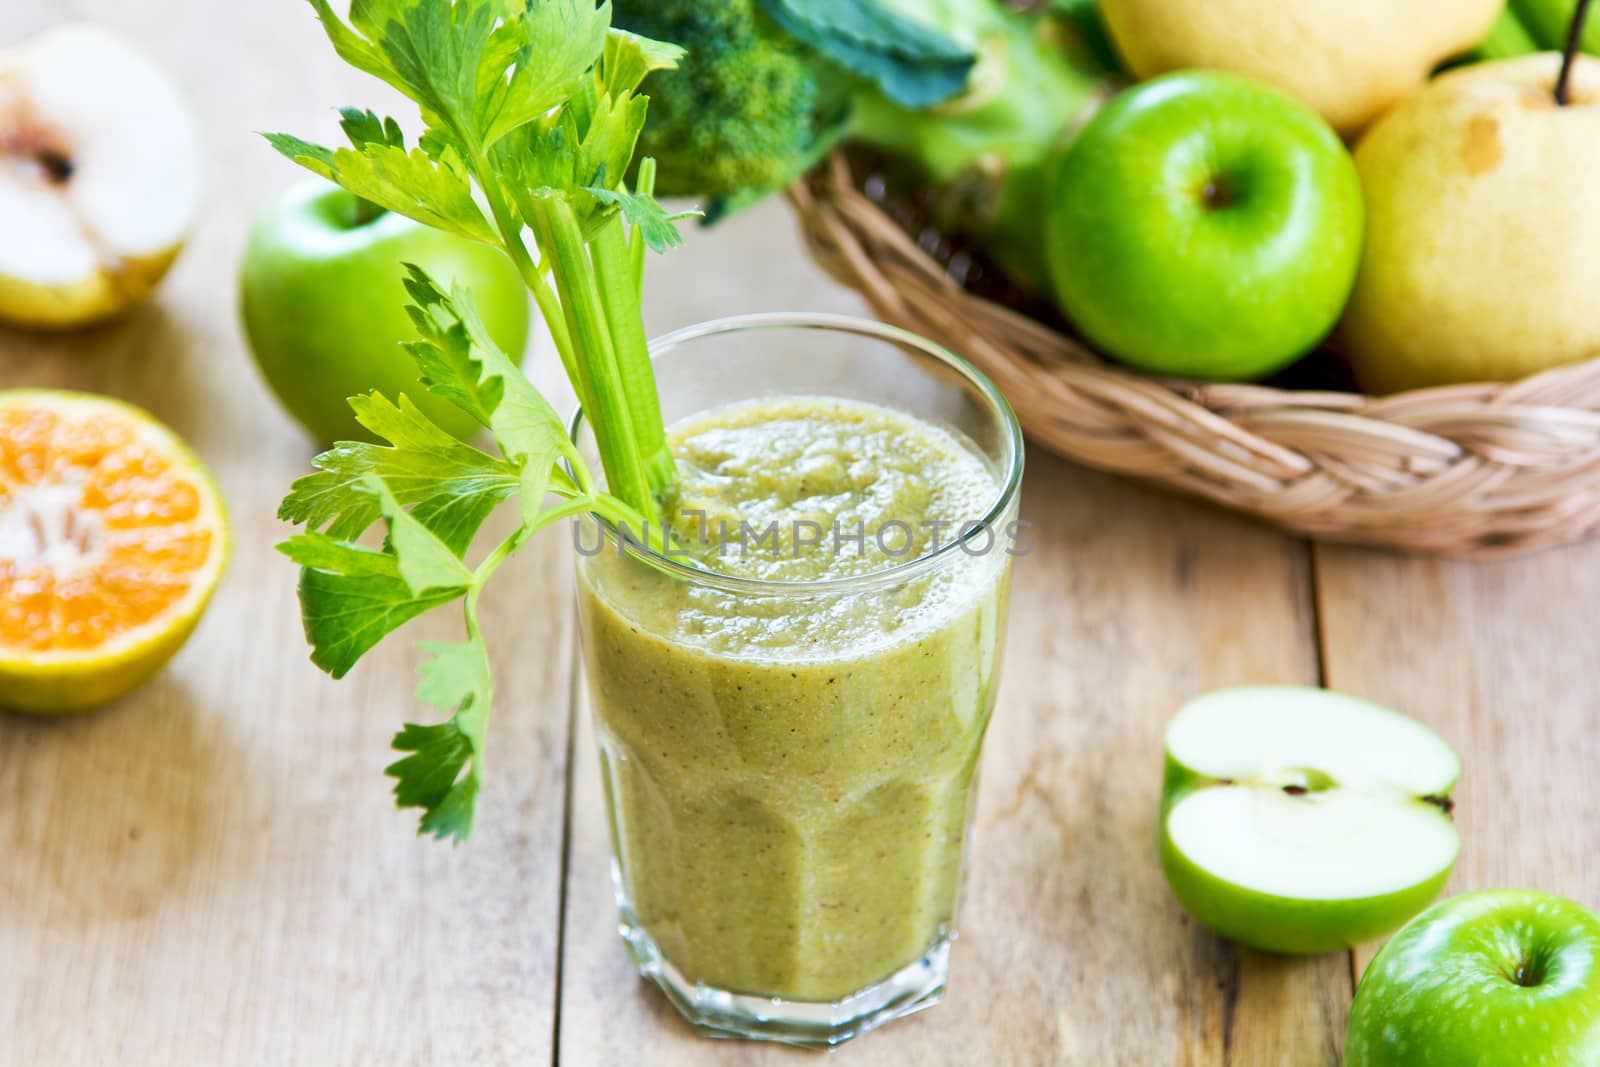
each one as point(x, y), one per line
point(808, 1023)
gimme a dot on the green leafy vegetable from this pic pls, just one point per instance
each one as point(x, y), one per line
point(913, 64)
point(456, 680)
point(432, 191)
point(531, 118)
point(452, 487)
point(351, 598)
point(972, 97)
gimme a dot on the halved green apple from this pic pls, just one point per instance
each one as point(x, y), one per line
point(1298, 820)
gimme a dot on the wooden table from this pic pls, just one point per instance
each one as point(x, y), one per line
point(211, 871)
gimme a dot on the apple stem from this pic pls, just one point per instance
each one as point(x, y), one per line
point(366, 211)
point(1570, 54)
point(1443, 803)
point(56, 165)
point(46, 153)
point(1217, 193)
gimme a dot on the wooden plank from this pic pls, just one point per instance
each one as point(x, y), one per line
point(1072, 951)
point(212, 871)
point(1501, 658)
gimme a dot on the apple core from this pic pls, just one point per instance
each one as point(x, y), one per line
point(1299, 820)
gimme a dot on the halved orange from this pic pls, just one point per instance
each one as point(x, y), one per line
point(112, 539)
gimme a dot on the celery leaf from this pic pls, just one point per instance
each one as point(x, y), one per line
point(525, 426)
point(646, 215)
point(547, 51)
point(351, 598)
point(451, 487)
point(424, 561)
point(441, 773)
point(435, 192)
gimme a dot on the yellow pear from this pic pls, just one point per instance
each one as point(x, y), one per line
point(1482, 257)
point(1349, 61)
point(99, 176)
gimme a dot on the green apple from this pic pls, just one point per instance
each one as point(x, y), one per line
point(324, 306)
point(1500, 978)
point(1205, 225)
point(1299, 820)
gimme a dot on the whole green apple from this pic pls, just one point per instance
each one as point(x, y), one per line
point(1299, 820)
point(1500, 978)
point(1207, 226)
point(324, 306)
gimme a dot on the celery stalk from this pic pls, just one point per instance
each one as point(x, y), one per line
point(604, 384)
point(614, 271)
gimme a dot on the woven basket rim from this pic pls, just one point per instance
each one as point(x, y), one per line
point(1474, 470)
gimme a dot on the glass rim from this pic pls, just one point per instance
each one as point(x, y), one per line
point(1010, 482)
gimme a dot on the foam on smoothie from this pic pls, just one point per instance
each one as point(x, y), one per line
point(812, 488)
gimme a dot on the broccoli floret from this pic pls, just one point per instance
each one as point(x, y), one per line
point(751, 108)
point(742, 111)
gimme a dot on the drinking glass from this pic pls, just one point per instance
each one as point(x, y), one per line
point(789, 814)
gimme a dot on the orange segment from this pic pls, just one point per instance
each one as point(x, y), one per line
point(25, 452)
point(139, 490)
point(112, 539)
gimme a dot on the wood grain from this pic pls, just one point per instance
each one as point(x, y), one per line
point(211, 871)
point(1503, 659)
point(1072, 951)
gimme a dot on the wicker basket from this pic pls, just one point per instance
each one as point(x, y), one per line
point(1467, 471)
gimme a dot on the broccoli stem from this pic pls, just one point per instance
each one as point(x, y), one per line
point(992, 150)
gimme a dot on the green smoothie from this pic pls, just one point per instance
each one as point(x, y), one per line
point(789, 773)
